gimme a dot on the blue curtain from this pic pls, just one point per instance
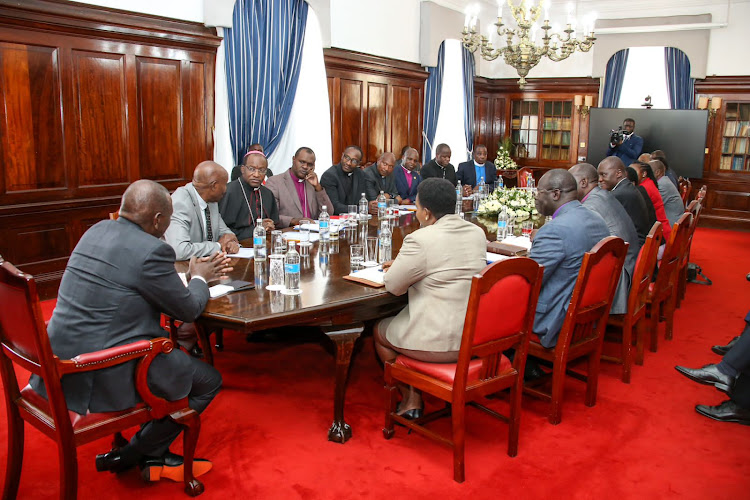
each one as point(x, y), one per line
point(679, 84)
point(614, 78)
point(468, 67)
point(432, 103)
point(263, 56)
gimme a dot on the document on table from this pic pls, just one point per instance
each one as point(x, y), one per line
point(495, 257)
point(519, 241)
point(230, 286)
point(373, 276)
point(244, 253)
point(295, 236)
point(410, 208)
point(314, 228)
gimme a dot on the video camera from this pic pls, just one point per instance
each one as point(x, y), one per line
point(616, 135)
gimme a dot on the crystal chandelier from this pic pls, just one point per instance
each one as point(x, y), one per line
point(523, 53)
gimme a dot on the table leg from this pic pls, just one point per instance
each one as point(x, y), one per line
point(344, 337)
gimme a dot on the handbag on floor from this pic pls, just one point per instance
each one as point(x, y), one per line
point(695, 275)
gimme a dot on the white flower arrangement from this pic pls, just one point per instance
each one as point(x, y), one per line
point(518, 203)
point(503, 160)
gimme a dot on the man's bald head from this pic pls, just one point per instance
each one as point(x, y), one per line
point(210, 181)
point(645, 157)
point(611, 171)
point(556, 188)
point(385, 163)
point(147, 204)
point(586, 178)
point(658, 168)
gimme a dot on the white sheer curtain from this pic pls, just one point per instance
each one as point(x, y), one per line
point(645, 75)
point(450, 126)
point(310, 120)
point(222, 144)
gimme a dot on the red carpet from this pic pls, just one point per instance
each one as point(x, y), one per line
point(266, 431)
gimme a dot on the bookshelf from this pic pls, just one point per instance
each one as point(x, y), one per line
point(542, 129)
point(735, 139)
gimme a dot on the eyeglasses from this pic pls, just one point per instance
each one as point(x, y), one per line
point(351, 160)
point(537, 191)
point(253, 170)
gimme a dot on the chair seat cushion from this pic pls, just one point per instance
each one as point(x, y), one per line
point(81, 423)
point(446, 372)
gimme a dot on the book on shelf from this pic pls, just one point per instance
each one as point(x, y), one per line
point(740, 146)
point(726, 163)
point(730, 129)
point(738, 163)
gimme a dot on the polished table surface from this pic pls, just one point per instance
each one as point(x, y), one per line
point(338, 306)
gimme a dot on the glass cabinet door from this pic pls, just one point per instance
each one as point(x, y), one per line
point(556, 130)
point(735, 141)
point(525, 128)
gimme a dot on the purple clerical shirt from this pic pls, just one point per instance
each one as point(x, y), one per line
point(300, 187)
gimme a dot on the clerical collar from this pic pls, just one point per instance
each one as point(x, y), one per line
point(350, 174)
point(478, 164)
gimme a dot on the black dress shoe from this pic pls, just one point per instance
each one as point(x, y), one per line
point(413, 414)
point(709, 375)
point(723, 349)
point(113, 462)
point(533, 372)
point(170, 466)
point(728, 411)
point(196, 352)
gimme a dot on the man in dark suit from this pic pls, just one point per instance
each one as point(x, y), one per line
point(650, 210)
point(731, 376)
point(612, 177)
point(440, 166)
point(118, 281)
point(298, 192)
point(379, 177)
point(237, 171)
point(197, 228)
point(344, 182)
point(559, 246)
point(248, 200)
point(470, 172)
point(406, 177)
point(662, 157)
point(630, 146)
point(603, 203)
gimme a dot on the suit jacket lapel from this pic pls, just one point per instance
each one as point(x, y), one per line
point(197, 208)
point(292, 191)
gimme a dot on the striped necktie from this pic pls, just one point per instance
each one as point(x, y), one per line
point(209, 232)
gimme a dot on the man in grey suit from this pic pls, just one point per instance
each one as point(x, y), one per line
point(118, 281)
point(298, 193)
point(673, 205)
point(559, 246)
point(603, 203)
point(197, 228)
point(344, 182)
point(614, 178)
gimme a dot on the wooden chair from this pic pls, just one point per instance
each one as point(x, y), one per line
point(695, 208)
point(622, 326)
point(523, 175)
point(114, 215)
point(582, 333)
point(685, 186)
point(24, 342)
point(482, 369)
point(663, 292)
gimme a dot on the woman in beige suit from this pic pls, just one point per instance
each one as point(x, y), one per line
point(435, 266)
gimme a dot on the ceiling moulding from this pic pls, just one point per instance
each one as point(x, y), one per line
point(653, 32)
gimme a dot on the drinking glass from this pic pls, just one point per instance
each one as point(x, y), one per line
point(353, 214)
point(371, 257)
point(304, 242)
point(276, 272)
point(356, 257)
point(526, 227)
point(259, 273)
point(511, 226)
point(277, 242)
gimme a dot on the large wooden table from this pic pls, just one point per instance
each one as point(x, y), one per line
point(339, 307)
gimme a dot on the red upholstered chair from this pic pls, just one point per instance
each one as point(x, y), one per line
point(523, 175)
point(24, 342)
point(663, 292)
point(695, 208)
point(582, 333)
point(500, 314)
point(621, 327)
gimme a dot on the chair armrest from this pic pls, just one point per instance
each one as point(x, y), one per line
point(115, 355)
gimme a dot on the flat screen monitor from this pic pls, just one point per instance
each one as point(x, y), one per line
point(680, 133)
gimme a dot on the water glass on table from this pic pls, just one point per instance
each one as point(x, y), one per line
point(304, 242)
point(353, 215)
point(371, 251)
point(277, 242)
point(527, 227)
point(356, 257)
point(276, 272)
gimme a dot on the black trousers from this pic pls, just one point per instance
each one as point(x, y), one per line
point(739, 358)
point(174, 376)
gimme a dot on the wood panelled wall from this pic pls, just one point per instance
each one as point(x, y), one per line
point(94, 99)
point(728, 192)
point(492, 111)
point(376, 103)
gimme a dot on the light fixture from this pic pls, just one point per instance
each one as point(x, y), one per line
point(583, 104)
point(712, 104)
point(523, 53)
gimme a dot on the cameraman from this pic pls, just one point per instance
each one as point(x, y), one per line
point(625, 145)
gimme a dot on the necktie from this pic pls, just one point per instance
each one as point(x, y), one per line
point(209, 232)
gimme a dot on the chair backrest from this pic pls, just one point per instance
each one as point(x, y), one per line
point(523, 175)
point(23, 337)
point(594, 289)
point(701, 193)
point(695, 208)
point(114, 215)
point(644, 271)
point(685, 187)
point(673, 253)
point(500, 314)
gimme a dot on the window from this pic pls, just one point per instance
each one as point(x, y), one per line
point(645, 75)
point(450, 126)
